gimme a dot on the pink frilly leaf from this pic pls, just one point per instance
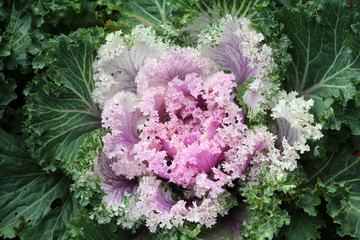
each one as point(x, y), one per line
point(113, 185)
point(122, 117)
point(175, 63)
point(228, 54)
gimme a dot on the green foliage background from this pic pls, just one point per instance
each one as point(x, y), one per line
point(46, 113)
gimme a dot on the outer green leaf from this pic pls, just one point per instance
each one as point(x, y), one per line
point(5, 50)
point(215, 9)
point(341, 167)
point(350, 116)
point(3, 13)
point(326, 65)
point(93, 231)
point(151, 12)
point(344, 208)
point(69, 15)
point(16, 40)
point(60, 118)
point(81, 227)
point(27, 194)
point(7, 94)
point(303, 227)
point(266, 215)
point(183, 233)
point(307, 202)
point(111, 4)
point(340, 177)
point(203, 12)
point(86, 189)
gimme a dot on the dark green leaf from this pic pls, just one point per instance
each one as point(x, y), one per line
point(32, 203)
point(111, 4)
point(303, 227)
point(61, 117)
point(82, 227)
point(69, 15)
point(308, 201)
point(7, 93)
point(351, 116)
point(340, 185)
point(5, 50)
point(326, 65)
point(19, 26)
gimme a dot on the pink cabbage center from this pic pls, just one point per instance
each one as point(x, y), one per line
point(181, 138)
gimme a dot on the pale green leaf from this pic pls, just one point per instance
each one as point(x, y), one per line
point(205, 12)
point(151, 12)
point(215, 9)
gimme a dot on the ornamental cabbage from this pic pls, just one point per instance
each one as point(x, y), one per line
point(177, 140)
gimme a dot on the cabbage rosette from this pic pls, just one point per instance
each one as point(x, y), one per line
point(179, 147)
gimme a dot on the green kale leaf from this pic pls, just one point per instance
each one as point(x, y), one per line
point(326, 59)
point(60, 110)
point(304, 226)
point(339, 183)
point(33, 204)
point(151, 13)
point(7, 94)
